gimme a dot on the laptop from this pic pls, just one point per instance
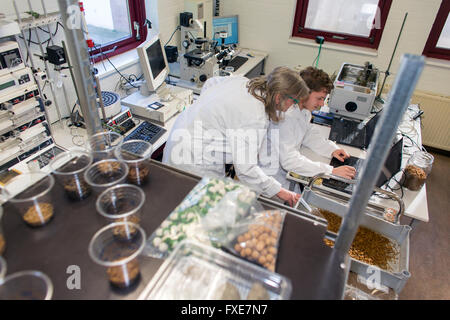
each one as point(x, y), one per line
point(391, 166)
point(353, 132)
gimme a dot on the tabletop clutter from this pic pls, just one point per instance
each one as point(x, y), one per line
point(227, 241)
point(219, 213)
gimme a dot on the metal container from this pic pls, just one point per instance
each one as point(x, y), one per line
point(398, 272)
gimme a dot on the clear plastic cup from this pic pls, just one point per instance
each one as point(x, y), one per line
point(121, 203)
point(2, 236)
point(136, 154)
point(26, 285)
point(35, 203)
point(68, 168)
point(102, 145)
point(2, 268)
point(105, 173)
point(117, 247)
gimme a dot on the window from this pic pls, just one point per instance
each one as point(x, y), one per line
point(353, 22)
point(118, 24)
point(438, 43)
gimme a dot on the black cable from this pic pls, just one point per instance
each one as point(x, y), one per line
point(122, 76)
point(176, 29)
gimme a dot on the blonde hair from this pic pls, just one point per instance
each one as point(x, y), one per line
point(281, 80)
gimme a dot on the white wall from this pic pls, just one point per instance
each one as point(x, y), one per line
point(267, 25)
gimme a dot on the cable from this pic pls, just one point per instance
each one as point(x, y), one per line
point(316, 60)
point(176, 29)
point(122, 76)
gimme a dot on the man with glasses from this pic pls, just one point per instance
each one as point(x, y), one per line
point(296, 131)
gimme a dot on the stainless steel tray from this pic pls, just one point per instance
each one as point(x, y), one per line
point(398, 272)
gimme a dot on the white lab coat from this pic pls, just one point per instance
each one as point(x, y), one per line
point(285, 140)
point(225, 125)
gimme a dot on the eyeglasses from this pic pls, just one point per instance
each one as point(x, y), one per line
point(295, 100)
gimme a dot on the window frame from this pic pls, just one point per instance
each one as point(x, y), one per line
point(430, 50)
point(372, 41)
point(137, 13)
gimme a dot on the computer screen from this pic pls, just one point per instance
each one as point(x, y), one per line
point(228, 24)
point(153, 62)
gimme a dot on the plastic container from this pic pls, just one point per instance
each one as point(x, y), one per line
point(102, 145)
point(196, 271)
point(417, 170)
point(136, 154)
point(2, 236)
point(2, 268)
point(68, 168)
point(26, 285)
point(117, 247)
point(121, 203)
point(105, 173)
point(35, 203)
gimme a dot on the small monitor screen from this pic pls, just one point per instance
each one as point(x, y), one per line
point(228, 25)
point(156, 58)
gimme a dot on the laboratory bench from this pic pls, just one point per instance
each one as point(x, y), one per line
point(55, 248)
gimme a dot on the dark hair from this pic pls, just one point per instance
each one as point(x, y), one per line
point(317, 79)
point(281, 80)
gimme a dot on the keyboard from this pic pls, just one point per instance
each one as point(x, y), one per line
point(237, 62)
point(146, 131)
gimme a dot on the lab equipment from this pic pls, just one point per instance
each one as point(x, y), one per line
point(146, 131)
point(156, 100)
point(229, 26)
point(354, 91)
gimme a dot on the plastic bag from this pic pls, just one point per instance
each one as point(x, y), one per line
point(256, 237)
point(210, 196)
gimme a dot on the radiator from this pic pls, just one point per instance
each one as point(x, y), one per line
point(435, 119)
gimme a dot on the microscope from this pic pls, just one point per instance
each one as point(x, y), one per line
point(201, 57)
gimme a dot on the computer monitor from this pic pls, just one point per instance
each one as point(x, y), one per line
point(229, 24)
point(153, 62)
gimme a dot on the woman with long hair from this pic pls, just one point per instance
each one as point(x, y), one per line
point(227, 124)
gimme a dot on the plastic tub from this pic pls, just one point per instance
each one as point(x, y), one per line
point(196, 271)
point(68, 168)
point(121, 203)
point(136, 154)
point(102, 145)
point(117, 247)
point(2, 268)
point(26, 285)
point(105, 173)
point(35, 203)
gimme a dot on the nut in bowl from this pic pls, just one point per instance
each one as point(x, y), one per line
point(119, 256)
point(136, 154)
point(35, 203)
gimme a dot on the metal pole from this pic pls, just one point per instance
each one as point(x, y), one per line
point(77, 49)
point(410, 69)
point(387, 73)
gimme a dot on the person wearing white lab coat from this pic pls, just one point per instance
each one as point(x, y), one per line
point(227, 124)
point(296, 131)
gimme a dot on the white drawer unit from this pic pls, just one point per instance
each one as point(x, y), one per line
point(15, 81)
